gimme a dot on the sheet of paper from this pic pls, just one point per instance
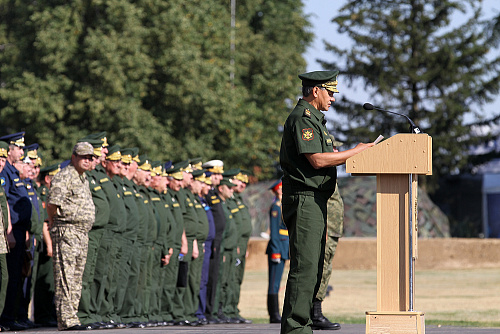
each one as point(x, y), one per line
point(378, 139)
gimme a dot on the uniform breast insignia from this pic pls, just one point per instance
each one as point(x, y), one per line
point(2, 181)
point(307, 134)
point(275, 214)
point(326, 133)
point(92, 181)
point(307, 113)
point(104, 180)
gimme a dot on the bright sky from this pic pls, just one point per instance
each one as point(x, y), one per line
point(322, 11)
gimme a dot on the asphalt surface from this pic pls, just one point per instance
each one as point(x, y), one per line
point(264, 329)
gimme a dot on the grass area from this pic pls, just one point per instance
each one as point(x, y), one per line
point(468, 298)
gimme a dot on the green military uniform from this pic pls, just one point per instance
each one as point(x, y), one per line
point(183, 301)
point(88, 309)
point(228, 259)
point(306, 191)
point(45, 313)
point(73, 220)
point(145, 287)
point(171, 270)
point(130, 308)
point(197, 264)
point(245, 231)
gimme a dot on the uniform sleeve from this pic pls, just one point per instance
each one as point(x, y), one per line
point(58, 191)
point(308, 137)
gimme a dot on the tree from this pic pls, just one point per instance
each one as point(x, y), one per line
point(153, 74)
point(412, 61)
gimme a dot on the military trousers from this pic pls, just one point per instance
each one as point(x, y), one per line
point(239, 272)
point(168, 288)
point(4, 280)
point(275, 274)
point(193, 291)
point(69, 257)
point(305, 217)
point(330, 248)
point(128, 312)
point(45, 311)
point(87, 310)
point(200, 313)
point(15, 260)
point(157, 275)
point(227, 279)
point(179, 302)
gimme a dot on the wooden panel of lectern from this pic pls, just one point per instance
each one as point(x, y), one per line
point(396, 162)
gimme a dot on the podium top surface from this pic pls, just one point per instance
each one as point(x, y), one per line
point(399, 154)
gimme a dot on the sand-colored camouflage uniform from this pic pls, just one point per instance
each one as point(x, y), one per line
point(73, 220)
point(335, 223)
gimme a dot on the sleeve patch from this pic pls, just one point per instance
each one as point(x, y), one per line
point(307, 134)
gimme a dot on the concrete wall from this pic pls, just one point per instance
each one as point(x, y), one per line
point(361, 253)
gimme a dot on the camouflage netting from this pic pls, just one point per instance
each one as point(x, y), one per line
point(359, 195)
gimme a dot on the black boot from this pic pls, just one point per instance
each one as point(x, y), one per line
point(319, 321)
point(273, 309)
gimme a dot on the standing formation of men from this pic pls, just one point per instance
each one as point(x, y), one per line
point(111, 239)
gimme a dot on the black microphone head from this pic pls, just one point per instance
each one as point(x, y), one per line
point(368, 106)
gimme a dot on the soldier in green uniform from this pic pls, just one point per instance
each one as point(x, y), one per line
point(142, 178)
point(71, 214)
point(335, 228)
point(87, 309)
point(45, 314)
point(309, 167)
point(201, 235)
point(245, 231)
point(131, 308)
point(228, 249)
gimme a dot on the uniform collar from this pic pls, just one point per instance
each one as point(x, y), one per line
point(318, 114)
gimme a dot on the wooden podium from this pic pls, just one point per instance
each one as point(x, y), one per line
point(396, 161)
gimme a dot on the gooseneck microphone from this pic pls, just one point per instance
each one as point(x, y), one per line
point(414, 128)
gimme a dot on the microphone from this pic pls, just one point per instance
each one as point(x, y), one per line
point(414, 128)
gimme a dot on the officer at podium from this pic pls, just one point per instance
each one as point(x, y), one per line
point(309, 166)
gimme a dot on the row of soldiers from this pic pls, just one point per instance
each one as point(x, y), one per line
point(167, 247)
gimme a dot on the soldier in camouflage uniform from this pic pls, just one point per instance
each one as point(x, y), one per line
point(71, 214)
point(335, 228)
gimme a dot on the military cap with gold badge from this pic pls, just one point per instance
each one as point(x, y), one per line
point(227, 182)
point(100, 136)
point(196, 163)
point(14, 139)
point(144, 163)
point(114, 153)
point(176, 171)
point(30, 152)
point(4, 149)
point(127, 154)
point(243, 176)
point(199, 175)
point(156, 168)
point(50, 170)
point(324, 79)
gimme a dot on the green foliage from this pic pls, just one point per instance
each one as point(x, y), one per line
point(160, 75)
point(412, 61)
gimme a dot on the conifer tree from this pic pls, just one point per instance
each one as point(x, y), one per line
point(411, 60)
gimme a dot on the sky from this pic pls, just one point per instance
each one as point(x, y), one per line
point(322, 11)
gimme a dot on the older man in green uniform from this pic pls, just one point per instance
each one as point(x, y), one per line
point(309, 177)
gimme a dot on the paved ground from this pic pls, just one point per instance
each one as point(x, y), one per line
point(267, 329)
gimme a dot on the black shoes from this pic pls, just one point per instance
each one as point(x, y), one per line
point(81, 327)
point(319, 321)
